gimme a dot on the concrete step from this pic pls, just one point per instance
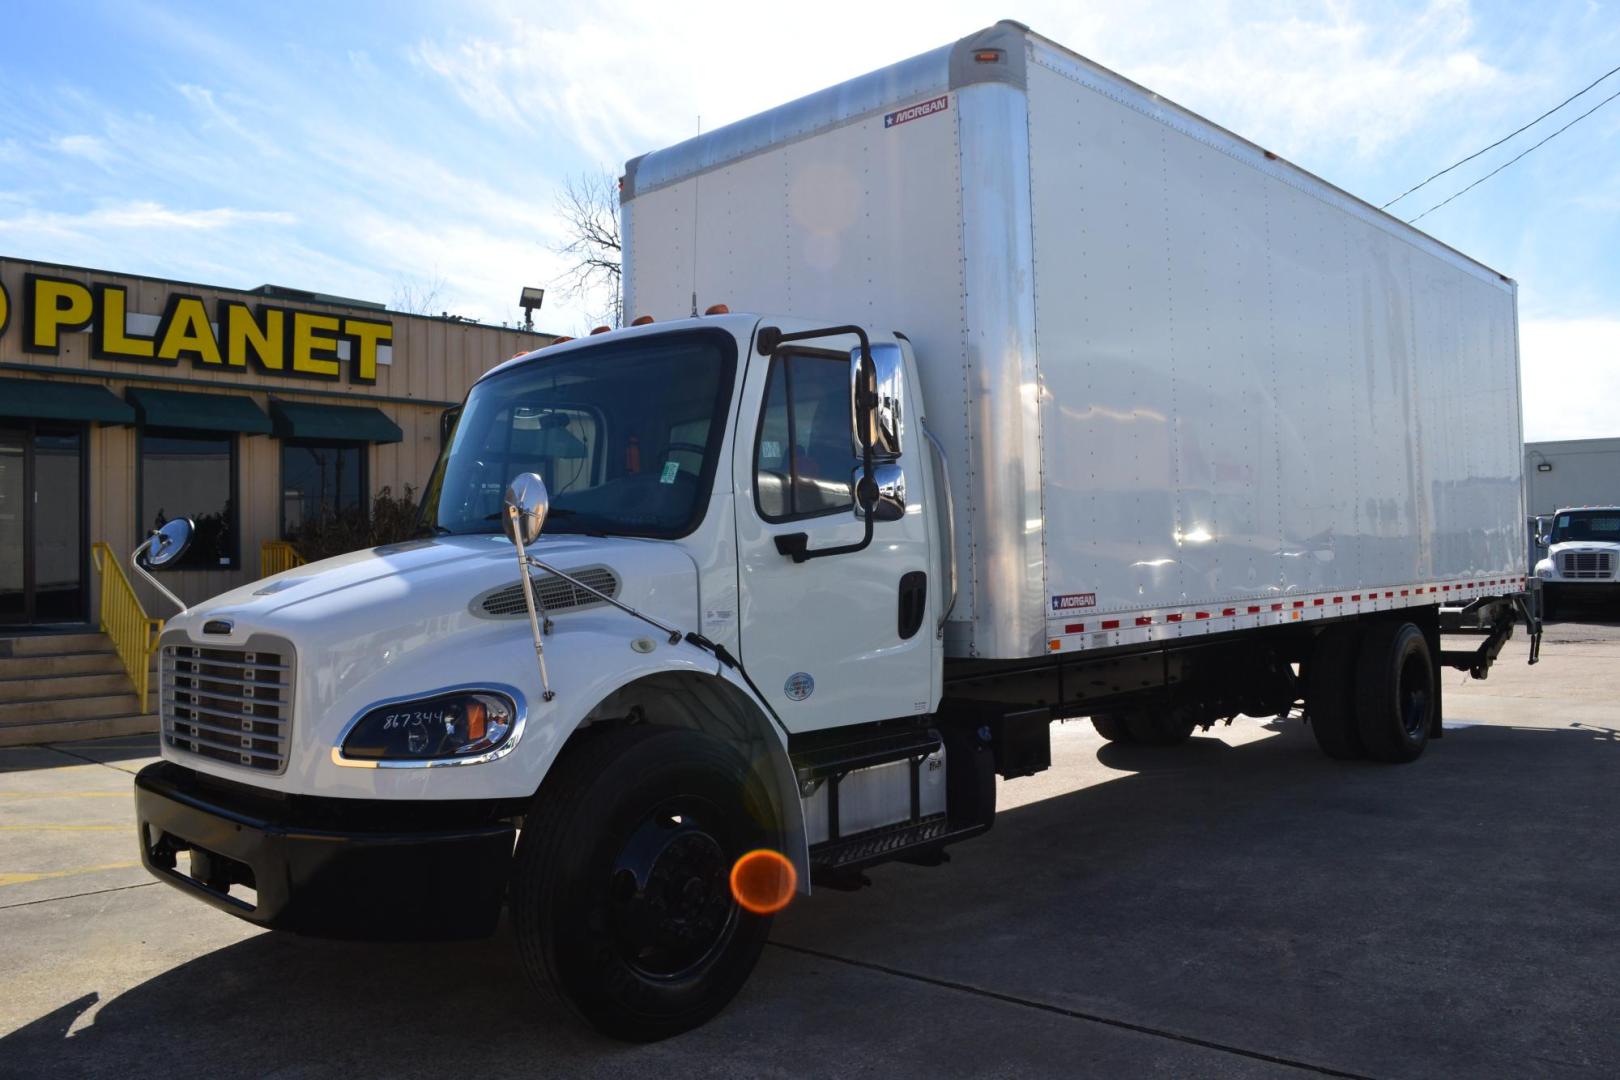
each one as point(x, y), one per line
point(55, 687)
point(73, 708)
point(102, 727)
point(54, 644)
point(47, 665)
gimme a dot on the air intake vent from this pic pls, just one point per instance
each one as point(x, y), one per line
point(550, 592)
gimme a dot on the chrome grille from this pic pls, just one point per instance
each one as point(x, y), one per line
point(1586, 564)
point(552, 593)
point(227, 703)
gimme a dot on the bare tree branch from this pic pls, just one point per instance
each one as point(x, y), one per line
point(417, 296)
point(589, 205)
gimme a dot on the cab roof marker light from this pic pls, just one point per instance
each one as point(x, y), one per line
point(600, 330)
point(641, 320)
point(717, 309)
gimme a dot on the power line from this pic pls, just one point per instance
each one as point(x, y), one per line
point(1510, 161)
point(1503, 139)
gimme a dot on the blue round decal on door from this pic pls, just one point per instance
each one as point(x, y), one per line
point(799, 686)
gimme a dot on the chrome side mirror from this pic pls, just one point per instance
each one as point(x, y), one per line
point(883, 425)
point(167, 544)
point(527, 496)
point(158, 550)
point(884, 496)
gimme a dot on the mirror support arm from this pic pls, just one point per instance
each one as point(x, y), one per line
point(673, 634)
point(528, 602)
point(135, 561)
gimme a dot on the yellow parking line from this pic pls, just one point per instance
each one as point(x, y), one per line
point(63, 828)
point(24, 878)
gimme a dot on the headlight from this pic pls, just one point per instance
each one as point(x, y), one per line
point(1545, 572)
point(446, 726)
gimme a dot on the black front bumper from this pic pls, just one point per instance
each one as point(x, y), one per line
point(325, 867)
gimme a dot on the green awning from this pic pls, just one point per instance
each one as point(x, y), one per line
point(40, 400)
point(199, 412)
point(299, 420)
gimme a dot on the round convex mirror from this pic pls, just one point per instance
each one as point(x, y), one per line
point(168, 543)
point(527, 493)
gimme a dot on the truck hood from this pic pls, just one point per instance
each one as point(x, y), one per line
point(398, 584)
point(1581, 545)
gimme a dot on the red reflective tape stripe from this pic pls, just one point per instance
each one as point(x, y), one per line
point(1228, 611)
point(1110, 624)
point(1173, 618)
point(1318, 602)
point(1254, 609)
point(1075, 628)
point(1338, 599)
point(1403, 591)
point(1388, 594)
point(1144, 620)
point(1276, 607)
point(1355, 596)
point(1299, 603)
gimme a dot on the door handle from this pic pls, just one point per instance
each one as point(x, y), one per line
point(913, 603)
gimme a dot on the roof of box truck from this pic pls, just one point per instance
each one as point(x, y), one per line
point(960, 64)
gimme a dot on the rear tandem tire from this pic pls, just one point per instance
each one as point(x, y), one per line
point(621, 896)
point(1113, 728)
point(1395, 691)
point(1330, 693)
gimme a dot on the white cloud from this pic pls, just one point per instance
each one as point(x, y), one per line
point(137, 215)
point(92, 148)
point(1571, 373)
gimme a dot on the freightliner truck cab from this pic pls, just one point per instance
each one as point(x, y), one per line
point(1583, 552)
point(736, 531)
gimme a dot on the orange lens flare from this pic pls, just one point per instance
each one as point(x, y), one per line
point(763, 881)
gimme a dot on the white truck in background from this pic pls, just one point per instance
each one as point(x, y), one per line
point(1037, 396)
point(1583, 554)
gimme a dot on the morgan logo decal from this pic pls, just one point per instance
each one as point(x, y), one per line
point(1073, 601)
point(917, 112)
point(799, 686)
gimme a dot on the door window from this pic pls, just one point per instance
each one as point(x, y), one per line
point(805, 455)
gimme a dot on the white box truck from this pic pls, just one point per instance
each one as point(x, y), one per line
point(984, 390)
point(1574, 493)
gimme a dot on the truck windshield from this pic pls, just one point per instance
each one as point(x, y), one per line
point(1587, 525)
point(626, 436)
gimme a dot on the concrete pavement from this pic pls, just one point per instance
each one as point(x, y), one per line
point(1240, 906)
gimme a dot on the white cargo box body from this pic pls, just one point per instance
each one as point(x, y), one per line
point(1184, 386)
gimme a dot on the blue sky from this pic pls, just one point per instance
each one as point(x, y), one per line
point(364, 149)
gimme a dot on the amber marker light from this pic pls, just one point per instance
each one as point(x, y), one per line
point(763, 881)
point(641, 320)
point(717, 309)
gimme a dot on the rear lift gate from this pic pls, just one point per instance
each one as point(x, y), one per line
point(1490, 619)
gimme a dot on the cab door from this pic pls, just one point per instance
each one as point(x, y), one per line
point(843, 638)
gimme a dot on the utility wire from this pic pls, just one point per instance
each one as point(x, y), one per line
point(1503, 139)
point(1510, 161)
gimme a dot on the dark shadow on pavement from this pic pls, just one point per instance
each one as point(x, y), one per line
point(1450, 917)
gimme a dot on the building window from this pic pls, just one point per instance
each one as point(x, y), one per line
point(805, 458)
point(191, 474)
point(321, 481)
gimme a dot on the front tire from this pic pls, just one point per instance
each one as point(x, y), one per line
point(621, 895)
point(1113, 727)
point(1395, 692)
point(1161, 727)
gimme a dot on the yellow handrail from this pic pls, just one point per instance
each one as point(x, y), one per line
point(134, 633)
point(276, 556)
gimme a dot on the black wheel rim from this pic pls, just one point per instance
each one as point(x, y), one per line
point(669, 891)
point(1414, 694)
